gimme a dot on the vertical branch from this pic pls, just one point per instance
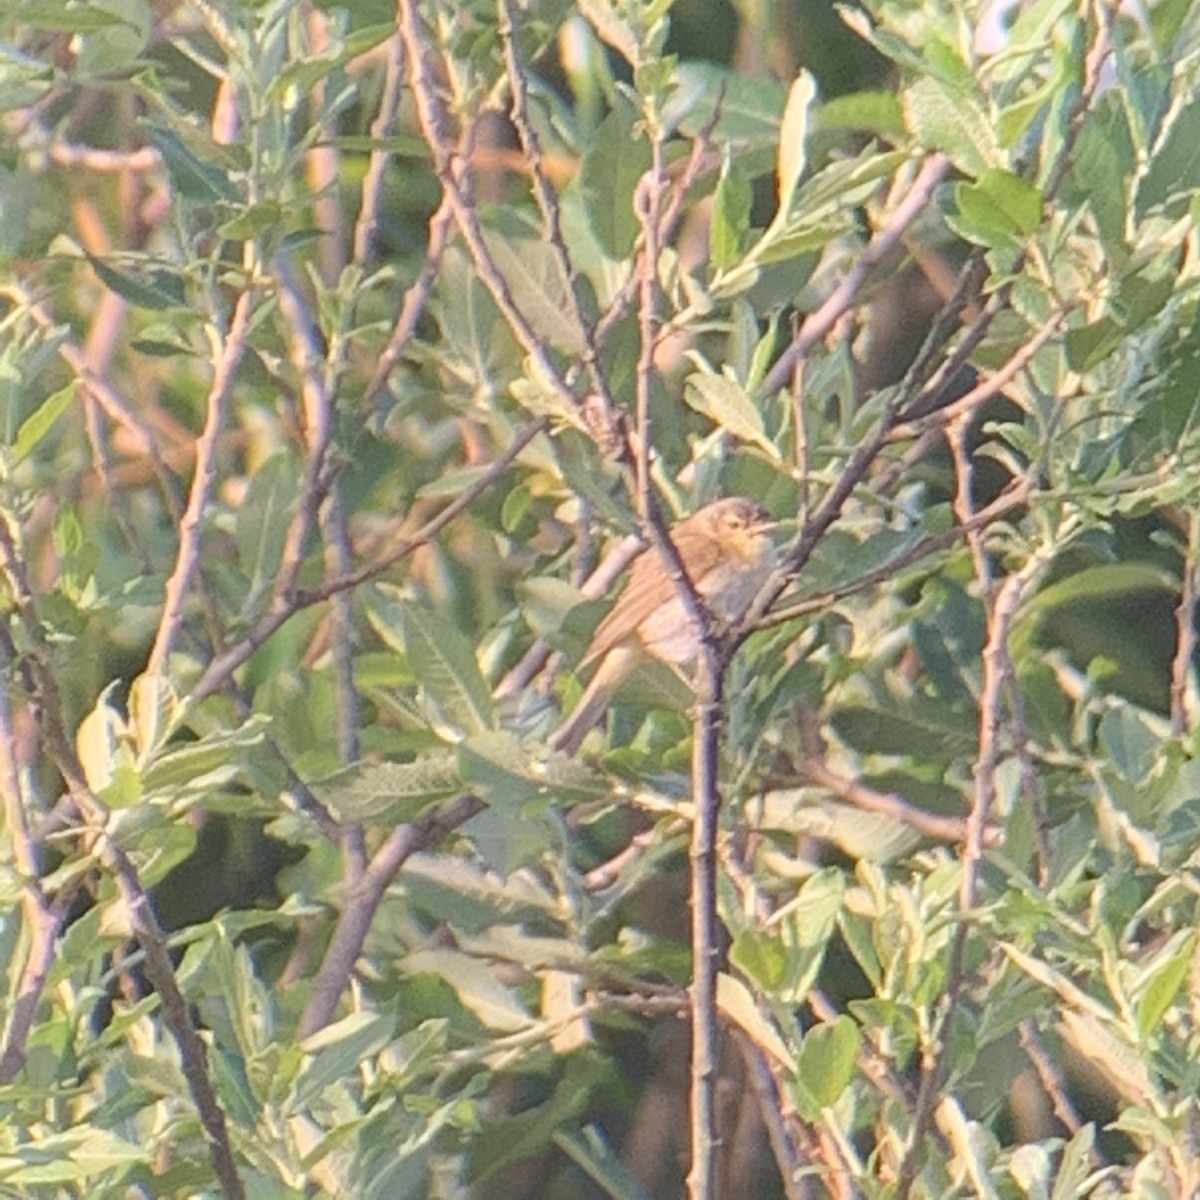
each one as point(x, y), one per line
point(415, 299)
point(60, 750)
point(363, 902)
point(1185, 629)
point(646, 201)
point(44, 916)
point(381, 128)
point(964, 501)
point(547, 201)
point(337, 558)
point(1002, 604)
point(322, 161)
point(188, 556)
point(705, 931)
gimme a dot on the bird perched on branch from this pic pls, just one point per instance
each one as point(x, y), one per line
point(727, 551)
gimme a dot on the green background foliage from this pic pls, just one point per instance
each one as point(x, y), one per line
point(300, 463)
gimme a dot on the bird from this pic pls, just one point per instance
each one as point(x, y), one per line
point(727, 551)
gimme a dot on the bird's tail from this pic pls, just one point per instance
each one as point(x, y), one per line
point(616, 666)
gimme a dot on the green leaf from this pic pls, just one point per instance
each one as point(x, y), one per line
point(1075, 1165)
point(1092, 583)
point(1174, 172)
point(801, 931)
point(1158, 982)
point(730, 229)
point(736, 1003)
point(154, 712)
point(304, 73)
point(338, 1052)
point(58, 16)
point(917, 727)
point(263, 519)
point(793, 137)
point(749, 108)
point(616, 158)
point(116, 47)
point(189, 175)
point(528, 1132)
point(102, 741)
point(726, 403)
point(826, 1065)
point(39, 422)
point(592, 1154)
point(875, 112)
point(217, 757)
point(496, 1006)
point(1132, 739)
point(443, 662)
point(263, 217)
point(1001, 202)
point(950, 119)
point(532, 271)
point(508, 773)
point(154, 289)
point(389, 794)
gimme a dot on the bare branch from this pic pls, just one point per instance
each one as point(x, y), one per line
point(188, 555)
point(362, 903)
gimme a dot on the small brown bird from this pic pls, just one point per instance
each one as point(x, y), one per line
point(727, 552)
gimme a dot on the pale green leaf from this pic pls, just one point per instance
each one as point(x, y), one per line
point(476, 986)
point(39, 422)
point(737, 1005)
point(793, 136)
point(726, 403)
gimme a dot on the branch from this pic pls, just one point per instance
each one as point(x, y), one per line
point(188, 555)
point(822, 320)
point(1185, 629)
point(381, 128)
point(60, 749)
point(222, 667)
point(888, 804)
point(360, 907)
point(705, 928)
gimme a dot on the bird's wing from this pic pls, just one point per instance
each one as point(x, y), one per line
point(650, 588)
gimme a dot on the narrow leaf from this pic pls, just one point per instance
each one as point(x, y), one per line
point(39, 422)
point(793, 135)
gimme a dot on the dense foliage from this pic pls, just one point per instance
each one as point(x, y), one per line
point(341, 347)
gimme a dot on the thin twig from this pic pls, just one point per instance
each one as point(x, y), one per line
point(547, 202)
point(945, 829)
point(115, 407)
point(415, 299)
point(595, 586)
point(822, 320)
point(44, 916)
point(222, 667)
point(337, 558)
point(60, 749)
point(1016, 495)
point(187, 557)
point(310, 362)
point(450, 169)
point(1185, 629)
point(609, 871)
point(770, 1107)
point(381, 129)
point(1003, 606)
point(985, 390)
point(705, 928)
point(361, 905)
